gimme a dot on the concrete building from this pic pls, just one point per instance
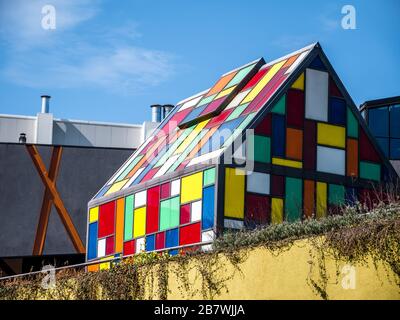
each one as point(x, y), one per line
point(42, 223)
point(383, 119)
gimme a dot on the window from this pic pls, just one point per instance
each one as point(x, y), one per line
point(395, 149)
point(395, 121)
point(378, 119)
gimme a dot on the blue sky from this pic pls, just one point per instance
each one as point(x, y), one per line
point(109, 60)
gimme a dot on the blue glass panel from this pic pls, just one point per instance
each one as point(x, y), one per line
point(150, 243)
point(395, 121)
point(194, 113)
point(317, 64)
point(337, 111)
point(103, 191)
point(384, 144)
point(207, 218)
point(172, 238)
point(92, 241)
point(378, 121)
point(278, 135)
point(395, 149)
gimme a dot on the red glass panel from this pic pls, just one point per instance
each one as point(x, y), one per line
point(110, 245)
point(160, 240)
point(295, 108)
point(165, 190)
point(153, 202)
point(185, 213)
point(264, 127)
point(107, 219)
point(190, 234)
point(277, 185)
point(256, 78)
point(310, 145)
point(333, 89)
point(129, 247)
point(367, 150)
point(257, 210)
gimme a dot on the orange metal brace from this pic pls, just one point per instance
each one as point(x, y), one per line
point(52, 196)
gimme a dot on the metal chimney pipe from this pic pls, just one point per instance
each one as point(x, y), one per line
point(156, 112)
point(45, 103)
point(167, 109)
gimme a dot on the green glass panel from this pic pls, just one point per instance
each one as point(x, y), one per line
point(175, 212)
point(236, 113)
point(261, 149)
point(370, 171)
point(169, 213)
point(280, 106)
point(206, 100)
point(165, 213)
point(336, 194)
point(239, 76)
point(129, 168)
point(293, 199)
point(352, 124)
point(209, 177)
point(128, 228)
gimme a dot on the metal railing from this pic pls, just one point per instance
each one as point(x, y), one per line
point(104, 260)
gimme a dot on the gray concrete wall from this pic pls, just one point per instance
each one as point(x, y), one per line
point(82, 173)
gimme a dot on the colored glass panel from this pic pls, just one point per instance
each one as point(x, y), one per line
point(152, 217)
point(207, 215)
point(234, 193)
point(294, 143)
point(150, 243)
point(110, 245)
point(264, 127)
point(172, 239)
point(293, 199)
point(93, 214)
point(169, 213)
point(316, 95)
point(370, 171)
point(192, 187)
point(321, 199)
point(119, 228)
point(160, 240)
point(92, 241)
point(352, 124)
point(352, 157)
point(139, 224)
point(185, 214)
point(309, 198)
point(367, 150)
point(259, 149)
point(276, 210)
point(190, 234)
point(258, 210)
point(287, 163)
point(331, 160)
point(258, 182)
point(128, 232)
point(280, 106)
point(337, 111)
point(295, 108)
point(277, 185)
point(278, 135)
point(378, 121)
point(336, 194)
point(129, 247)
point(209, 177)
point(299, 83)
point(330, 135)
point(106, 219)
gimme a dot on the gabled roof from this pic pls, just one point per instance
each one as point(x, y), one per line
point(186, 138)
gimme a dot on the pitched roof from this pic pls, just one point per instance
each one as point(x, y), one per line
point(201, 127)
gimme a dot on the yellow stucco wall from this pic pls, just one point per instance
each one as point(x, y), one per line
point(265, 275)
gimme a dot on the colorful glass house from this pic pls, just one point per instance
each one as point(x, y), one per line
point(267, 143)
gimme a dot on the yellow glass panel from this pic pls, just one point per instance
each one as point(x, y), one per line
point(234, 193)
point(93, 214)
point(116, 186)
point(119, 222)
point(299, 83)
point(261, 84)
point(330, 135)
point(185, 143)
point(192, 187)
point(225, 92)
point(287, 163)
point(105, 265)
point(276, 210)
point(139, 222)
point(321, 199)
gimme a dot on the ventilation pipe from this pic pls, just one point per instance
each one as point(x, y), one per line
point(167, 109)
point(45, 104)
point(156, 112)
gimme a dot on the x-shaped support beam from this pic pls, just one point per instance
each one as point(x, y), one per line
point(51, 196)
